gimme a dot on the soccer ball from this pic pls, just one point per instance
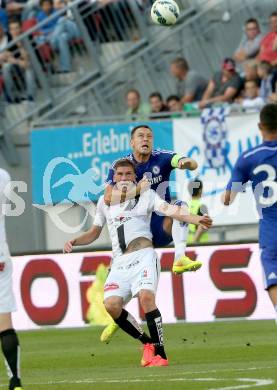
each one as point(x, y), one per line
point(165, 12)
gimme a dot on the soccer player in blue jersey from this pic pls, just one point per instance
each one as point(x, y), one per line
point(259, 166)
point(154, 167)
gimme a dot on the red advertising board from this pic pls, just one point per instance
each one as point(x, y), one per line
point(51, 289)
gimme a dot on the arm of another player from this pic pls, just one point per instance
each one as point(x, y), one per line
point(239, 177)
point(199, 231)
point(183, 162)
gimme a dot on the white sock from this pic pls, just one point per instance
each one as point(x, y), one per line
point(179, 235)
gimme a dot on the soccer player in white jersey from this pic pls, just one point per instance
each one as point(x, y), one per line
point(135, 267)
point(8, 336)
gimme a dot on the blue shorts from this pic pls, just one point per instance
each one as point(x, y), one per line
point(269, 262)
point(160, 237)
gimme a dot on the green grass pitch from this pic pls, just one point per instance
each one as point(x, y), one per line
point(221, 355)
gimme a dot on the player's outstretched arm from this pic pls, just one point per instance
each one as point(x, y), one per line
point(84, 239)
point(181, 213)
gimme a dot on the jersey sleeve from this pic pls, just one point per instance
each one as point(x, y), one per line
point(100, 218)
point(109, 179)
point(154, 201)
point(239, 177)
point(167, 156)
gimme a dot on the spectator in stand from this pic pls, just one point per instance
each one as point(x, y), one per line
point(174, 103)
point(58, 32)
point(268, 50)
point(4, 38)
point(4, 18)
point(251, 99)
point(190, 84)
point(224, 87)
point(250, 44)
point(250, 69)
point(136, 109)
point(157, 105)
point(17, 69)
point(269, 78)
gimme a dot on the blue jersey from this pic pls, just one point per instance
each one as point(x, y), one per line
point(259, 166)
point(157, 169)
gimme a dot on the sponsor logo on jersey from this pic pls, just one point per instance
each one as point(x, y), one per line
point(111, 286)
point(144, 273)
point(136, 262)
point(2, 267)
point(156, 170)
point(121, 219)
point(156, 180)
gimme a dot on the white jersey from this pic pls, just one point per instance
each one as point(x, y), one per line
point(129, 220)
point(7, 302)
point(4, 181)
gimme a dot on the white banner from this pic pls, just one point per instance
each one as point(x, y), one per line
point(51, 289)
point(216, 145)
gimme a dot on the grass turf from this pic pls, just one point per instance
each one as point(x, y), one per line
point(221, 355)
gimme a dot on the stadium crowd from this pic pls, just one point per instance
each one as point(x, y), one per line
point(52, 40)
point(247, 78)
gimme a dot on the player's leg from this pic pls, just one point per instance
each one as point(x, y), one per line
point(11, 350)
point(165, 230)
point(269, 262)
point(145, 283)
point(116, 294)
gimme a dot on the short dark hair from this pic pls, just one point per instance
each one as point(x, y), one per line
point(181, 62)
point(195, 187)
point(268, 117)
point(273, 14)
point(157, 95)
point(46, 1)
point(173, 97)
point(124, 162)
point(15, 20)
point(266, 66)
point(252, 20)
point(138, 127)
point(255, 81)
point(133, 90)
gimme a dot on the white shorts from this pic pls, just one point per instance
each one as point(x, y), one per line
point(7, 301)
point(130, 273)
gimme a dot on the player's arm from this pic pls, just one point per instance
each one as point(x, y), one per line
point(199, 231)
point(228, 197)
point(84, 239)
point(92, 234)
point(181, 213)
point(236, 184)
point(183, 162)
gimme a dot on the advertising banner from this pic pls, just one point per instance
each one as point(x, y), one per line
point(70, 164)
point(216, 141)
point(51, 290)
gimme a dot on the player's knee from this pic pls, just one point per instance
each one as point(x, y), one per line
point(147, 301)
point(113, 307)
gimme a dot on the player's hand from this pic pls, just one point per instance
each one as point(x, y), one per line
point(187, 163)
point(205, 221)
point(143, 185)
point(68, 246)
